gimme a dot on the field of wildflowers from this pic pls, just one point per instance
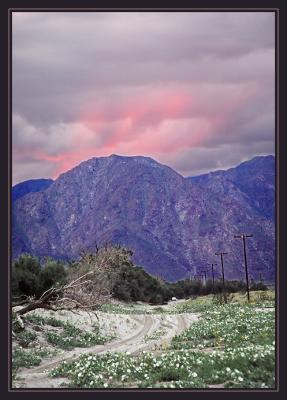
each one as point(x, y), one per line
point(231, 346)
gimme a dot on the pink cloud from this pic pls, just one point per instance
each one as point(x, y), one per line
point(157, 122)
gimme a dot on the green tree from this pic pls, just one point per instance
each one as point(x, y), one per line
point(26, 276)
point(52, 273)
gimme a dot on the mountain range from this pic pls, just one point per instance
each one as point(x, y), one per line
point(173, 224)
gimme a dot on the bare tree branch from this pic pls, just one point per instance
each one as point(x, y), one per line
point(102, 269)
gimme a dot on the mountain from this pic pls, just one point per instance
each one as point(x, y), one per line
point(255, 178)
point(173, 224)
point(32, 185)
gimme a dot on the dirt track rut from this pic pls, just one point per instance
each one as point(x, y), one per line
point(153, 331)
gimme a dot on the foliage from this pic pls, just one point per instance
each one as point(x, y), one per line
point(52, 273)
point(25, 338)
point(244, 367)
point(226, 326)
point(27, 358)
point(109, 272)
point(96, 275)
point(87, 283)
point(248, 359)
point(189, 288)
point(25, 276)
point(29, 278)
point(71, 337)
point(134, 284)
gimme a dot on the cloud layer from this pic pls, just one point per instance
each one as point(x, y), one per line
point(194, 90)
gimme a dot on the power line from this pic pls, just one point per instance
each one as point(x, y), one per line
point(243, 236)
point(221, 254)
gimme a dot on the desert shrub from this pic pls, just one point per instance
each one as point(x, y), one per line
point(25, 276)
point(134, 284)
point(52, 273)
point(25, 338)
point(29, 278)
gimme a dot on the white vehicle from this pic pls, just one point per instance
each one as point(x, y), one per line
point(173, 298)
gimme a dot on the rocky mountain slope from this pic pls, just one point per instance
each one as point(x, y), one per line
point(173, 224)
point(32, 185)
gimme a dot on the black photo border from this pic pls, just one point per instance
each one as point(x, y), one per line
point(6, 162)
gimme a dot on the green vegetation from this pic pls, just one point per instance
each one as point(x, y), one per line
point(25, 338)
point(241, 354)
point(71, 337)
point(55, 332)
point(263, 299)
point(27, 358)
point(155, 335)
point(131, 284)
point(68, 336)
point(134, 284)
point(38, 320)
point(228, 326)
point(230, 346)
point(25, 276)
point(242, 367)
point(29, 278)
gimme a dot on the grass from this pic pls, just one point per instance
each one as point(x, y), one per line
point(230, 345)
point(25, 338)
point(38, 320)
point(258, 298)
point(228, 325)
point(27, 358)
point(155, 335)
point(246, 358)
point(66, 337)
point(245, 367)
point(126, 308)
point(195, 305)
point(69, 336)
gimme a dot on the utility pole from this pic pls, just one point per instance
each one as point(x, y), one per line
point(202, 276)
point(243, 236)
point(190, 273)
point(221, 254)
point(205, 279)
point(212, 270)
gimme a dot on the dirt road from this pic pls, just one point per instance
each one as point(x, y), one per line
point(149, 333)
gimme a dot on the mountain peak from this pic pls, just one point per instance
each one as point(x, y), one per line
point(137, 158)
point(172, 224)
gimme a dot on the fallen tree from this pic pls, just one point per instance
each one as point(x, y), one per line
point(90, 283)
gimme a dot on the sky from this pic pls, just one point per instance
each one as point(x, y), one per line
point(193, 90)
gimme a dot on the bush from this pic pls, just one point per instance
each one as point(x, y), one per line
point(25, 276)
point(30, 279)
point(134, 284)
point(52, 273)
point(26, 337)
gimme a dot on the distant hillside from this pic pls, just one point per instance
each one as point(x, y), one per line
point(173, 224)
point(255, 178)
point(30, 186)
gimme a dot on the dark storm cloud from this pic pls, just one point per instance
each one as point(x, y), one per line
point(108, 77)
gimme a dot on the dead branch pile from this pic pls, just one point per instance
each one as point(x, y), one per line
point(90, 282)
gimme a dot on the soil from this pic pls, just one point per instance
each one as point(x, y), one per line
point(134, 333)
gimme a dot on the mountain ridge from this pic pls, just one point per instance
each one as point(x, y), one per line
point(174, 224)
point(32, 185)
